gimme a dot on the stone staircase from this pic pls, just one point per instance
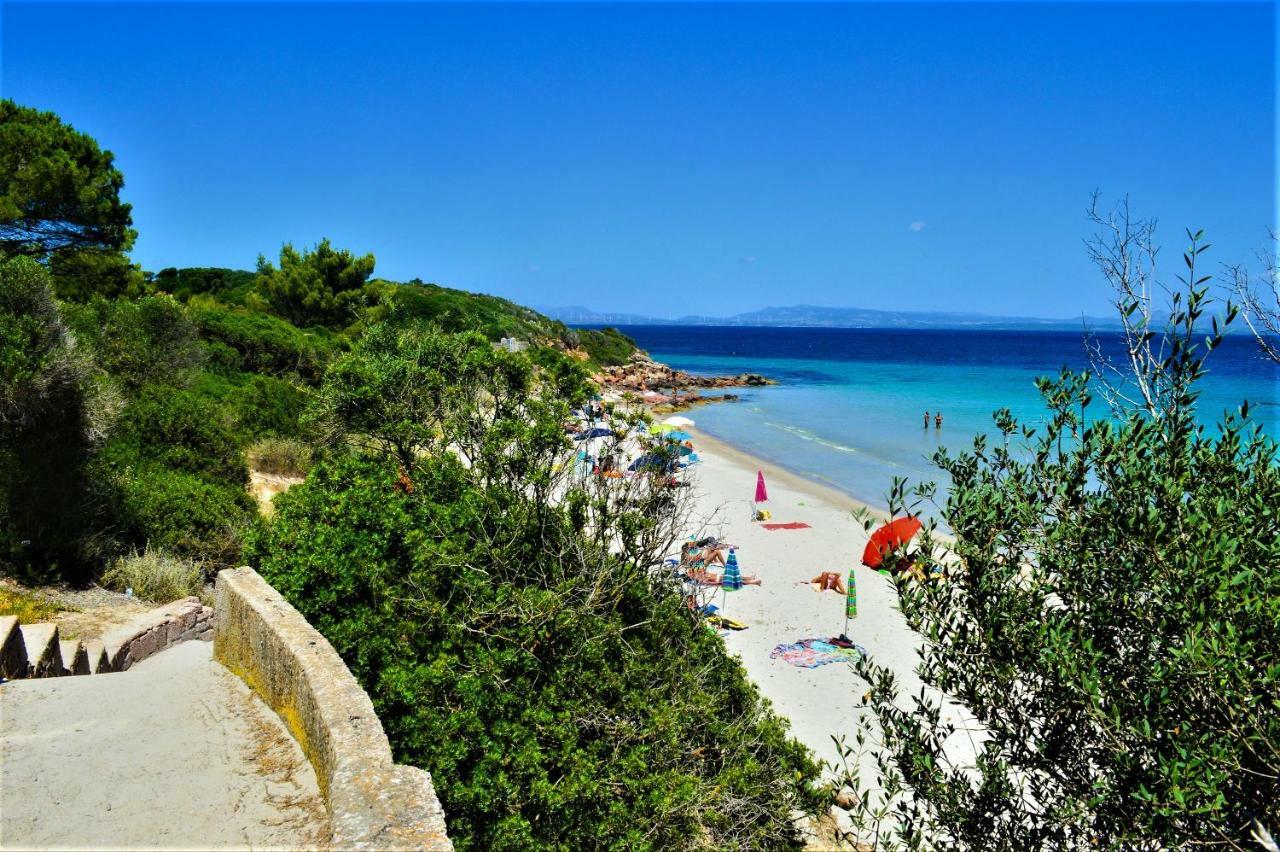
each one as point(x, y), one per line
point(36, 650)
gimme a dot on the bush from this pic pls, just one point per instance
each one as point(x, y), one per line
point(265, 344)
point(280, 455)
point(229, 286)
point(183, 430)
point(177, 512)
point(607, 347)
point(138, 342)
point(47, 430)
point(266, 405)
point(155, 576)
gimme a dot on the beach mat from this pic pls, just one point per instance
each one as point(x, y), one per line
point(811, 653)
point(791, 525)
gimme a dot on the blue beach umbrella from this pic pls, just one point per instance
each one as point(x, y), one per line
point(678, 436)
point(732, 573)
point(732, 579)
point(593, 433)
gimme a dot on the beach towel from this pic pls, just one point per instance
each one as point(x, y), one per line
point(811, 653)
point(791, 525)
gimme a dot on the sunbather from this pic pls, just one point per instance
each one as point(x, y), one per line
point(829, 581)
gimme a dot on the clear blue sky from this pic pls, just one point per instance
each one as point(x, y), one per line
point(669, 158)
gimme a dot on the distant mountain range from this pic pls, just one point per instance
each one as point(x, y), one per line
point(813, 316)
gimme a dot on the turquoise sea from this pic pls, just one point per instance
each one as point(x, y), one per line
point(849, 405)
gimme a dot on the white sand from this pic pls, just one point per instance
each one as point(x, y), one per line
point(826, 701)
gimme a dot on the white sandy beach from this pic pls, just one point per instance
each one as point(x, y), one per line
point(826, 701)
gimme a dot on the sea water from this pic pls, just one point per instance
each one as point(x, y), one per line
point(849, 404)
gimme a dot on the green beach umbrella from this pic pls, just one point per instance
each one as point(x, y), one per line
point(850, 602)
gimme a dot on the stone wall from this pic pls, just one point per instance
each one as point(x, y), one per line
point(152, 632)
point(372, 802)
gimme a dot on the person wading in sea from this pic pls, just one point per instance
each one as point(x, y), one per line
point(937, 421)
point(926, 420)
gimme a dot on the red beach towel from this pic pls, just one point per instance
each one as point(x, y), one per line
point(793, 525)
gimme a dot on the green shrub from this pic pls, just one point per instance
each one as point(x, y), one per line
point(265, 344)
point(280, 455)
point(185, 430)
point(229, 286)
point(172, 510)
point(47, 430)
point(607, 347)
point(155, 576)
point(138, 342)
point(266, 405)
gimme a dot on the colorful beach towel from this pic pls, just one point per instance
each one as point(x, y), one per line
point(811, 653)
point(791, 525)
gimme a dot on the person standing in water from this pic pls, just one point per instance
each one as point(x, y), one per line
point(926, 420)
point(937, 421)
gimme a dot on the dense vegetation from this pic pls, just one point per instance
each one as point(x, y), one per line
point(132, 396)
point(1109, 618)
point(503, 614)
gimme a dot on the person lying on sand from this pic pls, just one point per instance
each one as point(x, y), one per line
point(708, 578)
point(828, 581)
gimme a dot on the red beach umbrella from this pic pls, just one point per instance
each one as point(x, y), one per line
point(761, 494)
point(887, 538)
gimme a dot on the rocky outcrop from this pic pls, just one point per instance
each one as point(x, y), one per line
point(373, 803)
point(642, 374)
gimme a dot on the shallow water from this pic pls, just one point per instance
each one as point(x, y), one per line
point(848, 410)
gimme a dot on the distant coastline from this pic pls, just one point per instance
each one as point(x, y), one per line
point(814, 316)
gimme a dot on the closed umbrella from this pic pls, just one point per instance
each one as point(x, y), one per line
point(732, 579)
point(888, 538)
point(850, 603)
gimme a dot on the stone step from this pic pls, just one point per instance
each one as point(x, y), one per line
point(44, 654)
point(96, 650)
point(75, 659)
point(13, 650)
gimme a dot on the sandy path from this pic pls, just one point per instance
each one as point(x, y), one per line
point(175, 753)
point(826, 701)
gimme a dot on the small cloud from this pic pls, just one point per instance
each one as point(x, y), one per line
point(917, 225)
point(751, 258)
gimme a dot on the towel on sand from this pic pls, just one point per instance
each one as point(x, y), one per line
point(811, 653)
point(792, 525)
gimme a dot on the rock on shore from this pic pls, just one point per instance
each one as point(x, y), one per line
point(642, 373)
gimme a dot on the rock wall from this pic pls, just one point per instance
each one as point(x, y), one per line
point(372, 802)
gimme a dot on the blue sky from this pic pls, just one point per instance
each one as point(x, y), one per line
point(673, 159)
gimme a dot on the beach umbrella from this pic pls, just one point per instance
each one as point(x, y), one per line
point(889, 537)
point(678, 422)
point(850, 603)
point(598, 432)
point(660, 428)
point(677, 435)
point(761, 494)
point(732, 579)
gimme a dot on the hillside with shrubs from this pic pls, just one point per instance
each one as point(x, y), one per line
point(512, 632)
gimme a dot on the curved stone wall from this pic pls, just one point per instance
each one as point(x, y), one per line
point(373, 803)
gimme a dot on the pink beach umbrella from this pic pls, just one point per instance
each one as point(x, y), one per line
point(761, 494)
